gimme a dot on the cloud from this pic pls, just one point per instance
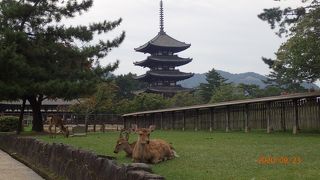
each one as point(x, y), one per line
point(225, 35)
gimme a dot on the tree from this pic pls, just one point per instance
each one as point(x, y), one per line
point(271, 91)
point(214, 81)
point(298, 59)
point(287, 19)
point(40, 57)
point(184, 99)
point(227, 92)
point(128, 85)
point(250, 90)
point(279, 77)
point(103, 100)
point(149, 101)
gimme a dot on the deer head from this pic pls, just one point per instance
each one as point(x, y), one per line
point(144, 134)
point(123, 141)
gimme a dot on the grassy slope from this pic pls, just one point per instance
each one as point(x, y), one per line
point(220, 155)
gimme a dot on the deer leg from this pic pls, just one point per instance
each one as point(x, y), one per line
point(50, 131)
point(155, 160)
point(136, 160)
point(55, 131)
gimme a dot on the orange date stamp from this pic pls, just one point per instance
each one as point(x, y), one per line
point(282, 160)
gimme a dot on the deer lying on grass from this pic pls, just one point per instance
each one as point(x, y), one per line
point(151, 151)
point(56, 121)
point(123, 143)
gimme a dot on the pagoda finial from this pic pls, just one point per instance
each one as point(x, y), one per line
point(161, 17)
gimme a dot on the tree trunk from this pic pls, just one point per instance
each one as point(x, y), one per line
point(37, 124)
point(21, 115)
point(86, 118)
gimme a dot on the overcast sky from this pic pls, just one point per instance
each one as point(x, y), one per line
point(224, 34)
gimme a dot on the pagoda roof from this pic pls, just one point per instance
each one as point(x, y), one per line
point(167, 89)
point(175, 75)
point(161, 60)
point(163, 42)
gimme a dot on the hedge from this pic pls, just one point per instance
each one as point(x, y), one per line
point(8, 123)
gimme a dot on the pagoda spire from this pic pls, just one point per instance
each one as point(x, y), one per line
point(161, 17)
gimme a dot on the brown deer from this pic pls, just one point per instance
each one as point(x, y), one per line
point(151, 151)
point(103, 128)
point(56, 121)
point(123, 143)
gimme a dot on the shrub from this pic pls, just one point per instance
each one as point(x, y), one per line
point(8, 123)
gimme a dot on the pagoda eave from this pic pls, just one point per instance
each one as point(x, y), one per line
point(149, 76)
point(154, 62)
point(151, 49)
point(167, 89)
point(164, 42)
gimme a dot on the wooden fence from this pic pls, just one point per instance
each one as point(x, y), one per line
point(294, 112)
point(93, 121)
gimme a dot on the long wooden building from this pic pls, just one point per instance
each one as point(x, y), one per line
point(294, 111)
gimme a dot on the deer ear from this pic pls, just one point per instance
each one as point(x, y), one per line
point(127, 136)
point(134, 127)
point(121, 133)
point(152, 127)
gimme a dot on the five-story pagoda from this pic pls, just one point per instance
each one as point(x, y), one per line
point(163, 75)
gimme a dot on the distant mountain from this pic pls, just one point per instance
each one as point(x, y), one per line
point(245, 78)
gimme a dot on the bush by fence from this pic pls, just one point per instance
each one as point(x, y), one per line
point(8, 123)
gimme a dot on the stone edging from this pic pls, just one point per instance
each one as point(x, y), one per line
point(59, 161)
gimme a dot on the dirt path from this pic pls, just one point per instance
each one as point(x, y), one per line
point(11, 169)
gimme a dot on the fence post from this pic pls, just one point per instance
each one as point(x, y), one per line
point(318, 103)
point(196, 120)
point(184, 120)
point(283, 116)
point(145, 120)
point(227, 118)
point(173, 120)
point(211, 118)
point(136, 120)
point(295, 116)
point(94, 122)
point(246, 118)
point(86, 119)
point(161, 120)
point(153, 119)
point(268, 116)
point(124, 118)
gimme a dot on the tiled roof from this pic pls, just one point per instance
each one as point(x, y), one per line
point(162, 40)
point(173, 74)
point(164, 60)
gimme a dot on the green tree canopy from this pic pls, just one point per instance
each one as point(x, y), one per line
point(214, 81)
point(128, 85)
point(184, 99)
point(149, 101)
point(251, 90)
point(298, 59)
point(227, 92)
point(43, 58)
point(102, 101)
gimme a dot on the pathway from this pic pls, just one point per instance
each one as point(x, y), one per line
point(11, 169)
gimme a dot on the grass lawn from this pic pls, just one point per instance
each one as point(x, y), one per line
point(219, 155)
